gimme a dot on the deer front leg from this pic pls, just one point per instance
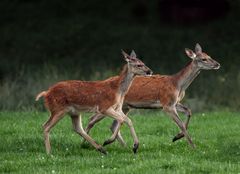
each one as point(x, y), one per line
point(188, 113)
point(173, 113)
point(133, 133)
point(113, 127)
point(121, 117)
point(118, 117)
point(98, 117)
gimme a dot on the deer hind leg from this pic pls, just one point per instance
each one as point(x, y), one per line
point(54, 118)
point(92, 121)
point(173, 113)
point(119, 136)
point(114, 125)
point(187, 112)
point(77, 126)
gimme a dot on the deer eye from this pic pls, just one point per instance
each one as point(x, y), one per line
point(139, 66)
point(204, 59)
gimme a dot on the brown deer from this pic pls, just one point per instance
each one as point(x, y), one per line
point(165, 91)
point(103, 97)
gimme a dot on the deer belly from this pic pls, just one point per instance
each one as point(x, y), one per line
point(145, 104)
point(76, 109)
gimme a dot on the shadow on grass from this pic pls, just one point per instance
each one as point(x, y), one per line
point(60, 145)
point(226, 149)
point(22, 145)
point(34, 145)
point(229, 150)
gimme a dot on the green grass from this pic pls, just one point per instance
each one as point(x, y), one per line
point(216, 135)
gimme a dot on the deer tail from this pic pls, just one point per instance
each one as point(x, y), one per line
point(41, 94)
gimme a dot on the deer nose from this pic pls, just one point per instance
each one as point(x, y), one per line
point(149, 72)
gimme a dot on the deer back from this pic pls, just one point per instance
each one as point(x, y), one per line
point(82, 94)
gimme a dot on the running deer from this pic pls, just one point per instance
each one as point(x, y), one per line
point(165, 91)
point(102, 97)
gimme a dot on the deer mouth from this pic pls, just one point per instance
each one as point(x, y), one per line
point(217, 66)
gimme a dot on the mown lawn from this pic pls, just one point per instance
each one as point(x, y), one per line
point(216, 135)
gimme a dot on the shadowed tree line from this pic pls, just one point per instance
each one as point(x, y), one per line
point(43, 42)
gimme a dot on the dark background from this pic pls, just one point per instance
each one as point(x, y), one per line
point(43, 41)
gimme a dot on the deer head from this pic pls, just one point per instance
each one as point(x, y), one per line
point(201, 59)
point(135, 65)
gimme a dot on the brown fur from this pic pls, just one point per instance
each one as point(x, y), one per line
point(151, 89)
point(82, 94)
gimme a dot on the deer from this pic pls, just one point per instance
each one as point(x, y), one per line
point(103, 97)
point(164, 92)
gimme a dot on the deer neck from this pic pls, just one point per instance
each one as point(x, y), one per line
point(125, 80)
point(185, 77)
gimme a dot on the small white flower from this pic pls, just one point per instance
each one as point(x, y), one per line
point(102, 166)
point(66, 149)
point(53, 171)
point(134, 159)
point(114, 168)
point(203, 114)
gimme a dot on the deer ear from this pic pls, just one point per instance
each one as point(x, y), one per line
point(126, 56)
point(133, 54)
point(190, 53)
point(198, 48)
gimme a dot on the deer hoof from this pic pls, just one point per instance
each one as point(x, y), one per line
point(135, 148)
point(193, 146)
point(102, 150)
point(177, 137)
point(107, 142)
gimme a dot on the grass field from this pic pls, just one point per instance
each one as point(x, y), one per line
point(215, 134)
